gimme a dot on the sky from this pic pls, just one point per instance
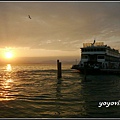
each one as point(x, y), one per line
point(57, 28)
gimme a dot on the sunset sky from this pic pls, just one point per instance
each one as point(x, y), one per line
point(57, 28)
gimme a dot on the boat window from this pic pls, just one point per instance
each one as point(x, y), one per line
point(84, 57)
point(83, 50)
point(103, 49)
point(98, 49)
point(87, 50)
point(100, 57)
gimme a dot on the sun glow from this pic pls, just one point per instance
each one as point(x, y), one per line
point(8, 54)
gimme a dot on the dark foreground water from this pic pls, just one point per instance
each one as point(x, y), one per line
point(33, 91)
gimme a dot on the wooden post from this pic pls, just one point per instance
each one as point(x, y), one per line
point(59, 73)
point(57, 68)
point(60, 69)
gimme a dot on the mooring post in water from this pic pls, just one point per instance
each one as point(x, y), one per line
point(59, 73)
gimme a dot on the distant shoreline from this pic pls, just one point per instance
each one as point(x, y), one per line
point(41, 60)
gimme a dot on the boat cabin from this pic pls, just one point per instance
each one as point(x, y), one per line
point(98, 55)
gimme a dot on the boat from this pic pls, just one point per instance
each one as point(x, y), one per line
point(98, 58)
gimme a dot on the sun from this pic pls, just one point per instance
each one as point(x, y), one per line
point(8, 54)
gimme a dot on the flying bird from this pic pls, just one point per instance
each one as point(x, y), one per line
point(29, 16)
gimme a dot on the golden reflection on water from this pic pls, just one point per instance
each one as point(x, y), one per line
point(9, 68)
point(6, 84)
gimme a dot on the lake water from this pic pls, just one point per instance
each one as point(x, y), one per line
point(33, 91)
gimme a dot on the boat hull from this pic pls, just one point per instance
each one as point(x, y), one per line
point(99, 71)
point(87, 70)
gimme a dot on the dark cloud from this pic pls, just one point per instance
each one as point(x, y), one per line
point(58, 25)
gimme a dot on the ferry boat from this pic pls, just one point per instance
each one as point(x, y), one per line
point(98, 58)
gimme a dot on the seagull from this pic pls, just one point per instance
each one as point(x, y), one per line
point(29, 16)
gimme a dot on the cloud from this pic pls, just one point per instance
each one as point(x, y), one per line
point(58, 26)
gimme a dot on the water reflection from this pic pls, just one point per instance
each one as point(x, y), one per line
point(99, 88)
point(9, 68)
point(58, 96)
point(6, 83)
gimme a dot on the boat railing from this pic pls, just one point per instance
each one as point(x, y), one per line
point(91, 44)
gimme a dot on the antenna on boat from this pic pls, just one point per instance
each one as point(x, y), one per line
point(93, 42)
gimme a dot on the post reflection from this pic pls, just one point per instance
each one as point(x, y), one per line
point(58, 96)
point(6, 84)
